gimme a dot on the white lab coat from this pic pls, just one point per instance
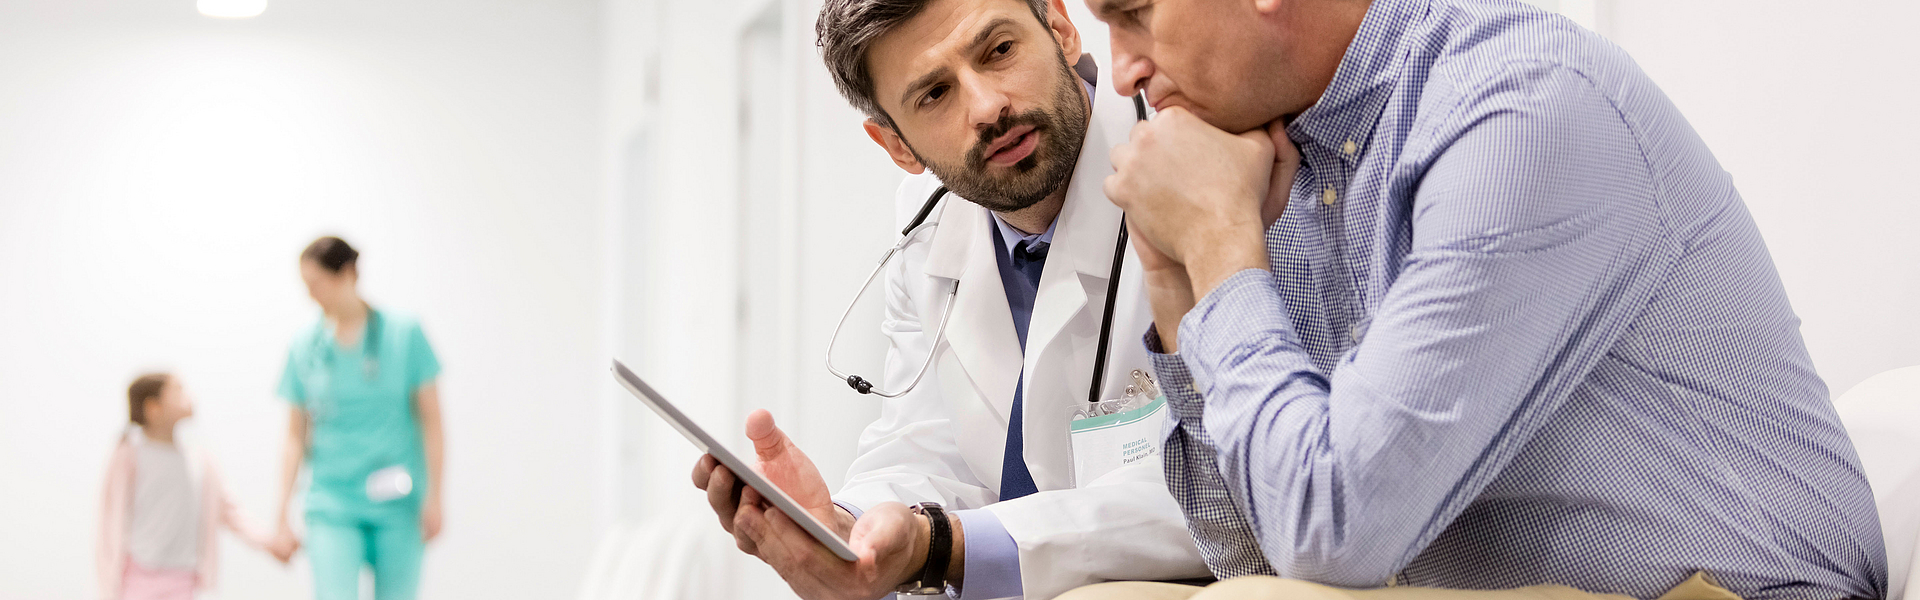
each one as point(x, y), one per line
point(944, 441)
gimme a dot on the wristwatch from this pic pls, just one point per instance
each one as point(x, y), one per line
point(932, 578)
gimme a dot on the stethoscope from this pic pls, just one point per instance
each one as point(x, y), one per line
point(369, 344)
point(326, 348)
point(912, 231)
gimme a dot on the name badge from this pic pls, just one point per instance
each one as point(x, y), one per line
point(1119, 432)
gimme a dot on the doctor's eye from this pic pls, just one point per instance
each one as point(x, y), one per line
point(1004, 48)
point(933, 95)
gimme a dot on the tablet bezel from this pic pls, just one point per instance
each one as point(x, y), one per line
point(740, 469)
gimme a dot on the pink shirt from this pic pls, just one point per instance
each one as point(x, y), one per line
point(216, 509)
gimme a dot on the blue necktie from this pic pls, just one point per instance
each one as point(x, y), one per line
point(1020, 274)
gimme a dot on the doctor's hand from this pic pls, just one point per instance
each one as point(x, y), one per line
point(432, 517)
point(782, 463)
point(890, 541)
point(282, 544)
point(1199, 195)
point(283, 547)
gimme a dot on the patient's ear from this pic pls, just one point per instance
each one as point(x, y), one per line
point(889, 138)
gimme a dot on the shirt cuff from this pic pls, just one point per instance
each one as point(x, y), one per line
point(851, 509)
point(993, 559)
point(1175, 381)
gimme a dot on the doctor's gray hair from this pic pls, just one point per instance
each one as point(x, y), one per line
point(848, 28)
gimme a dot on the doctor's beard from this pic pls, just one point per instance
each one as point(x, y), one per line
point(1062, 129)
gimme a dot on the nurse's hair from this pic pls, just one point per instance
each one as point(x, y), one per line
point(848, 28)
point(332, 253)
point(145, 387)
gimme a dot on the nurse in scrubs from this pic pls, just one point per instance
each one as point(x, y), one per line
point(366, 423)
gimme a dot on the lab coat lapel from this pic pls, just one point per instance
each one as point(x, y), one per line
point(981, 332)
point(1072, 292)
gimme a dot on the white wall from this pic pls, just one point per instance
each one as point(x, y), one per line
point(1810, 107)
point(159, 173)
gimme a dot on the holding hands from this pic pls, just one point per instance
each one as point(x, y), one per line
point(283, 543)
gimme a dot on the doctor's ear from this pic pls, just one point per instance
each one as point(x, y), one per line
point(889, 139)
point(1064, 32)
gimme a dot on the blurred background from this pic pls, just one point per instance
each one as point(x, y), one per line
point(554, 183)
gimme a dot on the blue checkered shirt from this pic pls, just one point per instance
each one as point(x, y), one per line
point(1519, 329)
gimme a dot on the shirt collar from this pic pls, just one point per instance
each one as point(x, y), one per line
point(1012, 237)
point(1351, 106)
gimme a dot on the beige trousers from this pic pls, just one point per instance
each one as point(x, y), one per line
point(1258, 587)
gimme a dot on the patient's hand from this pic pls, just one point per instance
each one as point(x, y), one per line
point(783, 464)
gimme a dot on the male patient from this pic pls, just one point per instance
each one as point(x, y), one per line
point(981, 93)
point(1514, 327)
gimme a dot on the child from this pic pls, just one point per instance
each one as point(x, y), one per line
point(163, 504)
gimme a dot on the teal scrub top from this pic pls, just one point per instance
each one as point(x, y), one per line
point(360, 400)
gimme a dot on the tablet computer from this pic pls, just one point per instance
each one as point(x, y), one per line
point(741, 470)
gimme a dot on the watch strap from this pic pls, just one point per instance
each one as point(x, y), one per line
point(932, 579)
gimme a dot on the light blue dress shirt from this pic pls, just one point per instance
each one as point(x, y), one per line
point(1519, 329)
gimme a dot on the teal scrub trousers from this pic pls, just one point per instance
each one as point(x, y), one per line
point(339, 547)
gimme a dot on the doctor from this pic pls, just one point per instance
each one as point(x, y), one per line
point(979, 92)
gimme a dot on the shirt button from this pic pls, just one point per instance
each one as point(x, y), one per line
point(1356, 332)
point(1329, 196)
point(1349, 148)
